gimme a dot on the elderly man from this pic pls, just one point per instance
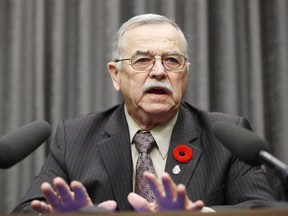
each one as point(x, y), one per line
point(94, 159)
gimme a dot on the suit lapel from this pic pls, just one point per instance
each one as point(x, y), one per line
point(116, 155)
point(185, 132)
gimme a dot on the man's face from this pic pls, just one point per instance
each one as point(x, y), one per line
point(156, 40)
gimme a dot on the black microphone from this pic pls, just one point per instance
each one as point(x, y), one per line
point(240, 141)
point(250, 148)
point(19, 143)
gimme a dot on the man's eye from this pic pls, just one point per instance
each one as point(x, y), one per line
point(171, 60)
point(143, 60)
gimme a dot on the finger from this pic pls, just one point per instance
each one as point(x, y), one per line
point(184, 202)
point(109, 205)
point(182, 199)
point(197, 206)
point(80, 194)
point(41, 206)
point(139, 203)
point(63, 190)
point(155, 185)
point(51, 196)
point(170, 187)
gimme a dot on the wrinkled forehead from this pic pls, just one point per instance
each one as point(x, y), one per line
point(153, 38)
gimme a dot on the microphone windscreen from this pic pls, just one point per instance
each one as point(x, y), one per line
point(18, 144)
point(242, 142)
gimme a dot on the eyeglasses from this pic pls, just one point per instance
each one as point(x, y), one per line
point(145, 62)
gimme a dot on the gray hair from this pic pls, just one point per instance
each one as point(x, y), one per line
point(144, 19)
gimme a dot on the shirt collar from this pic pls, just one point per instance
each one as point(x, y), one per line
point(162, 133)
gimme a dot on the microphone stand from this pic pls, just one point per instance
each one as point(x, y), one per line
point(281, 169)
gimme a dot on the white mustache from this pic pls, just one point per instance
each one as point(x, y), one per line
point(155, 84)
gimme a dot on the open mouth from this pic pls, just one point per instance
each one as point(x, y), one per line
point(157, 90)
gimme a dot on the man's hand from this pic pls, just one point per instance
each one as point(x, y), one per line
point(168, 196)
point(65, 198)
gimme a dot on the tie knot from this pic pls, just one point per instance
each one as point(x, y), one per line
point(144, 141)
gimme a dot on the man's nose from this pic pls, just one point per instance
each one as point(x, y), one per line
point(158, 67)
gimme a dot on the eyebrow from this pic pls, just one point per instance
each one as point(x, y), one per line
point(172, 53)
point(140, 52)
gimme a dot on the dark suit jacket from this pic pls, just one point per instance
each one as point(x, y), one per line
point(95, 150)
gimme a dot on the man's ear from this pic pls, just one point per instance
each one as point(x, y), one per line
point(114, 73)
point(188, 65)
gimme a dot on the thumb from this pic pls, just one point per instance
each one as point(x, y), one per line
point(109, 205)
point(139, 203)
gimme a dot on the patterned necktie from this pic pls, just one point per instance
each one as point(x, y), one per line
point(144, 142)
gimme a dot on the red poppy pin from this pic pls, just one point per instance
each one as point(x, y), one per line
point(182, 153)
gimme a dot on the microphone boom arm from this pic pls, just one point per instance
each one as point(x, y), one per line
point(280, 168)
